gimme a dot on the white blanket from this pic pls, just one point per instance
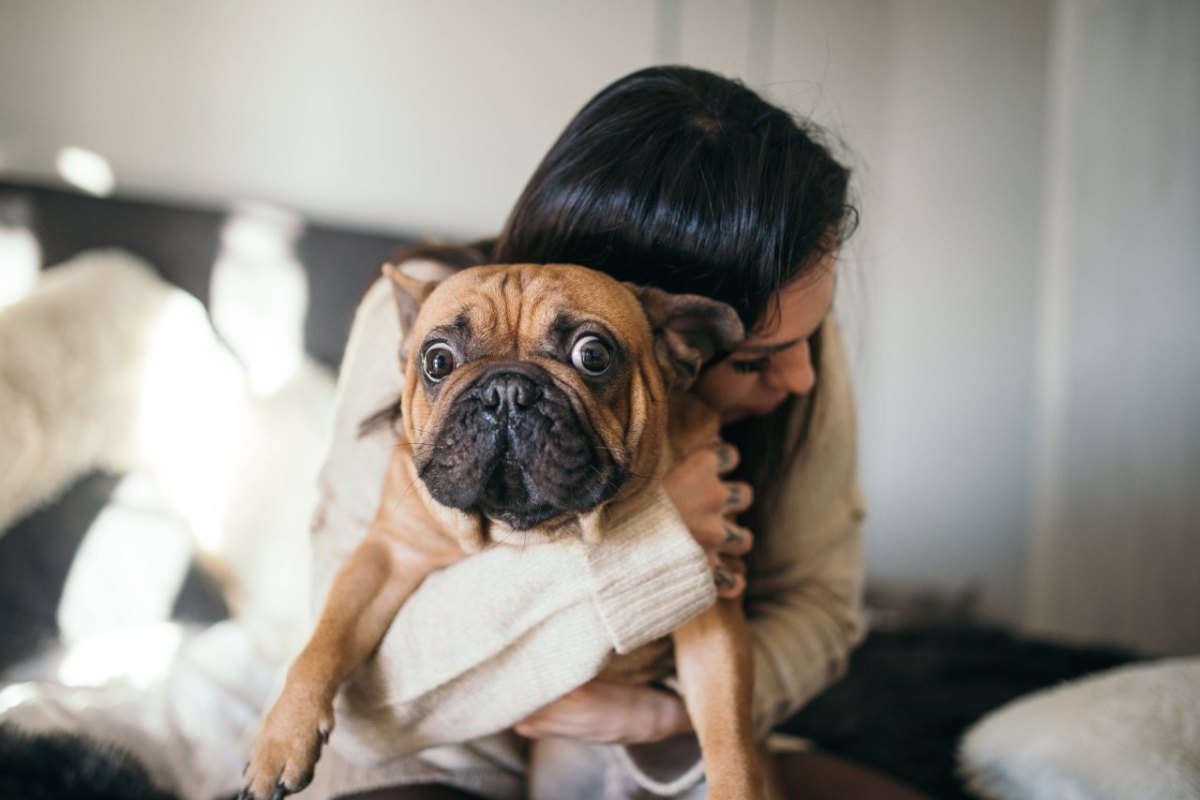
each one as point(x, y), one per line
point(105, 365)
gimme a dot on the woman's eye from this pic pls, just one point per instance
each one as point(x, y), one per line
point(438, 362)
point(591, 355)
point(746, 367)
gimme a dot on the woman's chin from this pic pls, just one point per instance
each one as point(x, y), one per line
point(741, 413)
point(737, 415)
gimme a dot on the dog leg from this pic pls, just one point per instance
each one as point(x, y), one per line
point(403, 545)
point(366, 595)
point(714, 662)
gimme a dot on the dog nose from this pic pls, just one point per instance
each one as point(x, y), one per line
point(511, 391)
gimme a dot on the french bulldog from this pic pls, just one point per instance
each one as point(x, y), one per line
point(538, 401)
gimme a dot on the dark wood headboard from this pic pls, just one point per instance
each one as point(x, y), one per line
point(183, 242)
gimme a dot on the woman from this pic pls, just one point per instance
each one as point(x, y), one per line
point(684, 180)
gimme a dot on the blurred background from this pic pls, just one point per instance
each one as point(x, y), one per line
point(1022, 298)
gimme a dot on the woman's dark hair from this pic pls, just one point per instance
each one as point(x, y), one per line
point(688, 181)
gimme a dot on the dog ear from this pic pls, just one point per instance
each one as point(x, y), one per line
point(688, 331)
point(410, 292)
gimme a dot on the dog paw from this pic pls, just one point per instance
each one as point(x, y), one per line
point(285, 753)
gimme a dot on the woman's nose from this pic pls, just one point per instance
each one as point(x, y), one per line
point(794, 373)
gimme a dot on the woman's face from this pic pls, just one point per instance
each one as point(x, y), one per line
point(774, 361)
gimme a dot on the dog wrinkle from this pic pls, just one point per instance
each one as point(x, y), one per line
point(512, 295)
point(462, 325)
point(481, 315)
point(587, 424)
point(560, 328)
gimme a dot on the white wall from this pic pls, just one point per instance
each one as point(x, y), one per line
point(1115, 552)
point(951, 287)
point(430, 116)
point(415, 116)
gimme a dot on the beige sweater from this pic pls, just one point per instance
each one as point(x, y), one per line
point(487, 641)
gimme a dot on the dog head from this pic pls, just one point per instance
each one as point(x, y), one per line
point(535, 395)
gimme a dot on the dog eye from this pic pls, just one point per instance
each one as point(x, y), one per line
point(438, 362)
point(591, 355)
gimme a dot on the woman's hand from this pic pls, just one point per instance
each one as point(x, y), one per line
point(610, 713)
point(707, 505)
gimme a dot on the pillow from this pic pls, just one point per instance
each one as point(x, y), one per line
point(1132, 732)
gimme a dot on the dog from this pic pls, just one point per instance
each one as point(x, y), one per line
point(538, 401)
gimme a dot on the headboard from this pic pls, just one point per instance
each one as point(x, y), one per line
point(183, 242)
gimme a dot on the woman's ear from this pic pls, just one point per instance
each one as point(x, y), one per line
point(688, 331)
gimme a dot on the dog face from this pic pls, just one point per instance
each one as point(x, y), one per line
point(538, 393)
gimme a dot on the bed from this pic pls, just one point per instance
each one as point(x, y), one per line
point(912, 689)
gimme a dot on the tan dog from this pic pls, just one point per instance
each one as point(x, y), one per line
point(541, 396)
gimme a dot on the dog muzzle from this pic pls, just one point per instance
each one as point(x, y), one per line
point(513, 448)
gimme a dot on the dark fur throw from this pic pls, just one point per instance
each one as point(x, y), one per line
point(59, 766)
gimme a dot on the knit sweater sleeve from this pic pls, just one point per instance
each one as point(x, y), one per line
point(488, 640)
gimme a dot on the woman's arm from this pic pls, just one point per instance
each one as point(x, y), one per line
point(803, 598)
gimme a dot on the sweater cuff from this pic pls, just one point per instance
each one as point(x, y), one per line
point(649, 575)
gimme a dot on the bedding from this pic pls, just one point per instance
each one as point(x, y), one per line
point(1129, 732)
point(911, 693)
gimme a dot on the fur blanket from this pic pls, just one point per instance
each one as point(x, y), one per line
point(70, 374)
point(1130, 732)
point(67, 765)
point(107, 366)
